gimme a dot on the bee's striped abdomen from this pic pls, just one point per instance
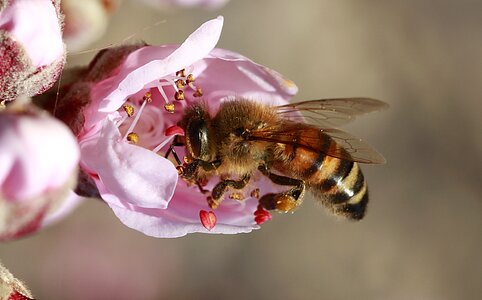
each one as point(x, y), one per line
point(342, 187)
point(339, 183)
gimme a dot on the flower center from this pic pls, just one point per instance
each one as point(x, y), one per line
point(169, 93)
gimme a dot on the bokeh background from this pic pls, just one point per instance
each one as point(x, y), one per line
point(422, 236)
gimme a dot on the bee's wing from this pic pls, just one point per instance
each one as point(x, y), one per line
point(330, 112)
point(332, 142)
point(357, 149)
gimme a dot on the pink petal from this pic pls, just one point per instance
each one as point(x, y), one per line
point(146, 65)
point(225, 74)
point(182, 215)
point(163, 227)
point(134, 174)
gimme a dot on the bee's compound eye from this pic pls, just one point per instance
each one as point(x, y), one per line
point(197, 138)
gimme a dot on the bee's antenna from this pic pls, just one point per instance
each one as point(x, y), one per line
point(171, 149)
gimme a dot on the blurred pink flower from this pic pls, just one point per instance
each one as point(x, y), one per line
point(38, 163)
point(32, 53)
point(138, 183)
point(211, 4)
point(86, 21)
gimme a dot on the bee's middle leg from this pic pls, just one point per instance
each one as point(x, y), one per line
point(285, 201)
point(220, 188)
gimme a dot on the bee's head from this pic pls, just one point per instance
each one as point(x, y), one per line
point(196, 123)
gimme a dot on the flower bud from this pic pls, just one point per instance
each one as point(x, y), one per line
point(11, 288)
point(32, 53)
point(38, 168)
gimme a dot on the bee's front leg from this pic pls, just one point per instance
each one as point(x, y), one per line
point(190, 170)
point(220, 188)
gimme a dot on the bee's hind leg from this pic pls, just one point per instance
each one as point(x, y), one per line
point(286, 201)
point(220, 188)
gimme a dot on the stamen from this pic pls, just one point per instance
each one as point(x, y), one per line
point(163, 94)
point(181, 73)
point(198, 92)
point(190, 79)
point(180, 83)
point(129, 109)
point(208, 219)
point(187, 160)
point(169, 107)
point(255, 193)
point(171, 133)
point(121, 121)
point(174, 130)
point(261, 215)
point(179, 95)
point(147, 98)
point(169, 82)
point(164, 143)
point(133, 138)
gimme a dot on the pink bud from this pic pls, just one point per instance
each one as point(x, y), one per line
point(38, 163)
point(32, 53)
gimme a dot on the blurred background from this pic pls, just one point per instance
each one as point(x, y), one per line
point(422, 236)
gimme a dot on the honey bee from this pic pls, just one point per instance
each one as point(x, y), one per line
point(245, 137)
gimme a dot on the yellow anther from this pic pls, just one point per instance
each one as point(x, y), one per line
point(187, 160)
point(190, 79)
point(180, 83)
point(181, 73)
point(129, 109)
point(198, 93)
point(179, 95)
point(169, 107)
point(147, 97)
point(255, 193)
point(133, 138)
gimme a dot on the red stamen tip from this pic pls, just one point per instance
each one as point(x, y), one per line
point(208, 219)
point(174, 130)
point(261, 215)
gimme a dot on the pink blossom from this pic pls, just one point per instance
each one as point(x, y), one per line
point(138, 183)
point(85, 21)
point(32, 53)
point(38, 163)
